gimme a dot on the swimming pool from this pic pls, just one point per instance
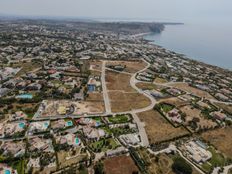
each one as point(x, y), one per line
point(25, 96)
point(77, 141)
point(46, 124)
point(69, 123)
point(7, 171)
point(21, 124)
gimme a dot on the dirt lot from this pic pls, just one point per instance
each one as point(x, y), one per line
point(118, 81)
point(96, 65)
point(227, 108)
point(174, 101)
point(221, 139)
point(195, 91)
point(86, 107)
point(160, 80)
point(121, 102)
point(196, 113)
point(131, 66)
point(158, 129)
point(162, 166)
point(120, 165)
point(146, 86)
point(66, 159)
point(95, 96)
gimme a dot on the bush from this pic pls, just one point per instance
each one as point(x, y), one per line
point(180, 166)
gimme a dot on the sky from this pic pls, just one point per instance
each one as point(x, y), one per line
point(153, 10)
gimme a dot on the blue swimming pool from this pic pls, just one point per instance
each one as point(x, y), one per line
point(7, 172)
point(69, 123)
point(21, 124)
point(46, 124)
point(77, 141)
point(25, 96)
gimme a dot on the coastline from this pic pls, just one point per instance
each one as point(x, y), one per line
point(184, 56)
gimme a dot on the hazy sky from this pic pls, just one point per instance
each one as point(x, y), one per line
point(157, 10)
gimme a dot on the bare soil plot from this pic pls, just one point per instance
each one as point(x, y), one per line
point(193, 113)
point(146, 86)
point(96, 65)
point(70, 157)
point(160, 80)
point(120, 165)
point(158, 128)
point(195, 91)
point(118, 81)
point(27, 67)
point(131, 66)
point(52, 107)
point(162, 166)
point(227, 108)
point(95, 96)
point(121, 102)
point(174, 101)
point(221, 139)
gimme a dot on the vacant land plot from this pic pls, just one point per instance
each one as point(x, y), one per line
point(161, 166)
point(174, 101)
point(221, 139)
point(193, 113)
point(54, 108)
point(159, 129)
point(195, 91)
point(118, 81)
point(121, 102)
point(95, 96)
point(160, 80)
point(131, 66)
point(227, 108)
point(120, 165)
point(96, 65)
point(67, 158)
point(146, 86)
point(27, 67)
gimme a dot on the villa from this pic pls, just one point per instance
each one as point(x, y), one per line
point(19, 115)
point(36, 127)
point(70, 139)
point(40, 144)
point(92, 133)
point(5, 169)
point(197, 153)
point(15, 148)
point(12, 128)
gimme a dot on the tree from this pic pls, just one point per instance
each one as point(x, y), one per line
point(180, 166)
point(98, 168)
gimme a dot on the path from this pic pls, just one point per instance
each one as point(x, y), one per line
point(104, 89)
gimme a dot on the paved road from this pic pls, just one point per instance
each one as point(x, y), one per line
point(104, 89)
point(142, 131)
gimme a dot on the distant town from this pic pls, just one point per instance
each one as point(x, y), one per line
point(89, 97)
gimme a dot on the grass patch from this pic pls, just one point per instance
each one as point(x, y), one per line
point(118, 119)
point(103, 145)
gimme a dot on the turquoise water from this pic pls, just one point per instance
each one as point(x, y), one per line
point(98, 123)
point(46, 124)
point(211, 44)
point(77, 141)
point(69, 123)
point(21, 125)
point(7, 172)
point(25, 96)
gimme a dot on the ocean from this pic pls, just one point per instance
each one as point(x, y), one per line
point(211, 44)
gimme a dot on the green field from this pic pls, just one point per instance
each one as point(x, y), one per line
point(119, 119)
point(103, 145)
